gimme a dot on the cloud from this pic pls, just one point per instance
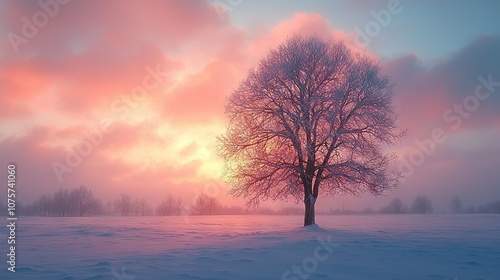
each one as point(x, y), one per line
point(304, 24)
point(201, 98)
point(80, 83)
point(106, 176)
point(424, 95)
point(119, 24)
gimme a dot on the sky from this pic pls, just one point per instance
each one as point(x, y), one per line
point(123, 97)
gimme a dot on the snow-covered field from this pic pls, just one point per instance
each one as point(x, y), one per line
point(258, 247)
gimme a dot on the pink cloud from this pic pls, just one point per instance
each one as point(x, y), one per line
point(201, 97)
point(107, 177)
point(84, 23)
point(304, 24)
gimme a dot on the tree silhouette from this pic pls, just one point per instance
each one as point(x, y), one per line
point(83, 200)
point(395, 207)
point(43, 205)
point(62, 203)
point(141, 207)
point(123, 204)
point(206, 205)
point(422, 205)
point(170, 206)
point(311, 117)
point(456, 205)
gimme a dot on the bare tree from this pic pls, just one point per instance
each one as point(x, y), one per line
point(456, 205)
point(123, 204)
point(395, 207)
point(170, 206)
point(97, 207)
point(83, 200)
point(422, 205)
point(206, 205)
point(178, 206)
point(492, 207)
point(62, 203)
point(312, 116)
point(165, 208)
point(141, 207)
point(44, 205)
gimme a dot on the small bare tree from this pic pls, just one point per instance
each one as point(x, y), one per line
point(178, 206)
point(165, 208)
point(456, 205)
point(83, 200)
point(422, 205)
point(62, 203)
point(170, 206)
point(44, 205)
point(206, 205)
point(141, 207)
point(395, 207)
point(311, 117)
point(123, 204)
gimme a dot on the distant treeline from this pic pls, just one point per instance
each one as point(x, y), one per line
point(82, 202)
point(423, 205)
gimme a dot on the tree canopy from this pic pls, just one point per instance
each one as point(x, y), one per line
point(312, 116)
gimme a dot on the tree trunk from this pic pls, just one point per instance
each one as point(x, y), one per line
point(309, 216)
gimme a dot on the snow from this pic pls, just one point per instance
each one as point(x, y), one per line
point(258, 247)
